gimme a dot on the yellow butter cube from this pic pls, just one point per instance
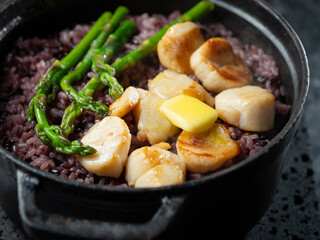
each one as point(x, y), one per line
point(189, 113)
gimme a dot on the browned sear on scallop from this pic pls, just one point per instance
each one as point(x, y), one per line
point(177, 45)
point(217, 67)
point(207, 151)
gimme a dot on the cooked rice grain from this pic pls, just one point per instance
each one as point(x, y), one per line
point(30, 58)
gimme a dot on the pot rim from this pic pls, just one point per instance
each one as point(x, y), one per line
point(294, 116)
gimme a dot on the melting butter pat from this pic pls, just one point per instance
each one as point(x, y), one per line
point(189, 113)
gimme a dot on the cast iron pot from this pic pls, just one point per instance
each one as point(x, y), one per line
point(224, 204)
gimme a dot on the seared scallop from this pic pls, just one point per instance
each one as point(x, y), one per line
point(207, 151)
point(154, 166)
point(177, 45)
point(169, 84)
point(111, 138)
point(250, 108)
point(217, 67)
point(151, 123)
point(125, 103)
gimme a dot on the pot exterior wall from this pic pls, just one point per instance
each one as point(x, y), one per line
point(235, 201)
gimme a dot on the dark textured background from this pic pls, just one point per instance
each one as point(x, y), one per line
point(294, 213)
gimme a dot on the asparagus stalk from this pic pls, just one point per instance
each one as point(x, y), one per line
point(107, 72)
point(147, 46)
point(84, 66)
point(150, 44)
point(113, 45)
point(48, 84)
point(54, 136)
point(101, 66)
point(47, 87)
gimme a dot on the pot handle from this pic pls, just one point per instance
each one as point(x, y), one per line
point(38, 220)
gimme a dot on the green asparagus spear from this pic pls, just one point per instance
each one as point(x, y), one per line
point(84, 66)
point(56, 136)
point(101, 66)
point(113, 45)
point(48, 84)
point(149, 45)
point(47, 87)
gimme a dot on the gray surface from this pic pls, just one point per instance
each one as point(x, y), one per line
point(294, 213)
point(7, 230)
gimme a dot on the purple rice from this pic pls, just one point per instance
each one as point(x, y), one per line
point(31, 57)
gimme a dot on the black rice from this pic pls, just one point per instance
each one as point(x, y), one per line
point(31, 57)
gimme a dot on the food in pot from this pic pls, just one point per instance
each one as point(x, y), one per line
point(217, 67)
point(249, 108)
point(125, 103)
point(152, 125)
point(60, 119)
point(154, 166)
point(177, 45)
point(168, 84)
point(189, 113)
point(111, 138)
point(208, 150)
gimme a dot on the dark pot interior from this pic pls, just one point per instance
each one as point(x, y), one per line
point(233, 199)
